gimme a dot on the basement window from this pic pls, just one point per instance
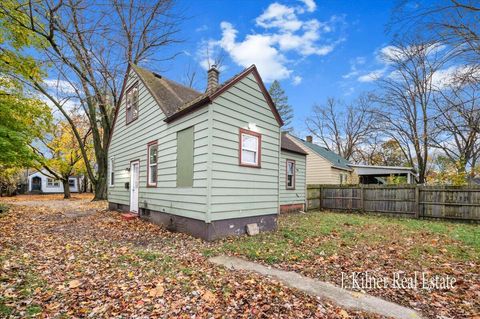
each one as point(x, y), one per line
point(250, 148)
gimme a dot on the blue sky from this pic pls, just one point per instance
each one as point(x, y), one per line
point(335, 59)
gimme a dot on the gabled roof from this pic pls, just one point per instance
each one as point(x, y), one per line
point(336, 160)
point(169, 95)
point(177, 100)
point(289, 145)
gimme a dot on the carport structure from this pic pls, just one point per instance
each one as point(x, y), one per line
point(371, 174)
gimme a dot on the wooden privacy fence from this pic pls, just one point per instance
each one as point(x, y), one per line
point(449, 202)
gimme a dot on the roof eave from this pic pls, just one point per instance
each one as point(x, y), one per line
point(296, 152)
point(204, 101)
point(342, 168)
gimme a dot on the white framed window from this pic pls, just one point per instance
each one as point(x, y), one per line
point(71, 182)
point(290, 174)
point(52, 183)
point(250, 148)
point(111, 172)
point(132, 103)
point(152, 173)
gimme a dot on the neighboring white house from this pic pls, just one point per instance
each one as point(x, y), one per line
point(39, 182)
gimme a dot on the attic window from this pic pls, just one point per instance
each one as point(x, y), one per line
point(250, 148)
point(132, 103)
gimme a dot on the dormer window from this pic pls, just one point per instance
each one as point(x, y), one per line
point(132, 103)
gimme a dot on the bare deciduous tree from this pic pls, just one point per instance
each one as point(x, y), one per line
point(458, 126)
point(405, 98)
point(340, 128)
point(89, 46)
point(452, 22)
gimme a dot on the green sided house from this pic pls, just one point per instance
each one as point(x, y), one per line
point(206, 164)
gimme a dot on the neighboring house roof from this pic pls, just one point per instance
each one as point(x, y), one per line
point(383, 167)
point(177, 100)
point(289, 145)
point(336, 160)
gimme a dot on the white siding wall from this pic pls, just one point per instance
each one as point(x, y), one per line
point(52, 189)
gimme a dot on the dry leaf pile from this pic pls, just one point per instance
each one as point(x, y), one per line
point(89, 263)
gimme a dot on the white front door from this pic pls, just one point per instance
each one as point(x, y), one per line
point(134, 184)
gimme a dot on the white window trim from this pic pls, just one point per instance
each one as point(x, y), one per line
point(150, 165)
point(111, 169)
point(256, 150)
point(52, 183)
point(294, 173)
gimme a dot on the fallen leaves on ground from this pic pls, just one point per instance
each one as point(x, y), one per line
point(321, 245)
point(84, 261)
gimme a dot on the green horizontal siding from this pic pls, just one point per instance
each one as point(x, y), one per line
point(239, 191)
point(297, 195)
point(129, 142)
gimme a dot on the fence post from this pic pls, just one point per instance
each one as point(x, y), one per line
point(362, 198)
point(320, 197)
point(417, 201)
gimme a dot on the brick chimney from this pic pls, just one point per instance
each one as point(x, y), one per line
point(212, 77)
point(309, 139)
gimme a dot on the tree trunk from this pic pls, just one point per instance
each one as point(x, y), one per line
point(66, 189)
point(100, 187)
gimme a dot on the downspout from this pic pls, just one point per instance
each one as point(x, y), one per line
point(278, 170)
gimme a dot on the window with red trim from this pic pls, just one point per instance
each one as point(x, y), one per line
point(250, 148)
point(152, 166)
point(291, 174)
point(132, 103)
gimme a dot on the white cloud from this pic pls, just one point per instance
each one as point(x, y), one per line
point(354, 63)
point(296, 80)
point(449, 76)
point(285, 35)
point(279, 16)
point(371, 76)
point(201, 28)
point(255, 49)
point(61, 86)
point(310, 4)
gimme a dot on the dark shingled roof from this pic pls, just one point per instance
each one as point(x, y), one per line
point(170, 95)
point(176, 100)
point(289, 145)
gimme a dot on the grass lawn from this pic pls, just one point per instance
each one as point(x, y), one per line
point(325, 244)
